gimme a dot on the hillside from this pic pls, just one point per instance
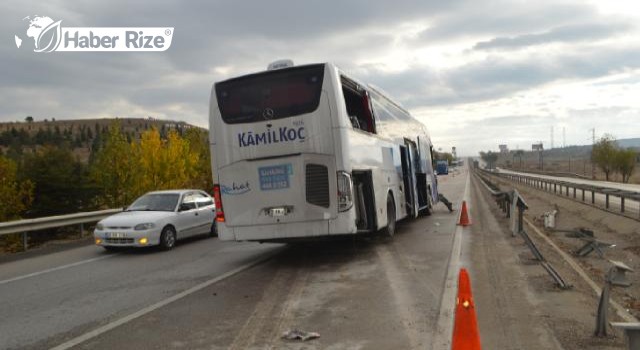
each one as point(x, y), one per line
point(81, 135)
point(570, 159)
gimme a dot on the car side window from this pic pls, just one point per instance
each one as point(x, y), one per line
point(203, 200)
point(188, 202)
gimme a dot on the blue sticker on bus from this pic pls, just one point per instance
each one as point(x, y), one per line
point(275, 177)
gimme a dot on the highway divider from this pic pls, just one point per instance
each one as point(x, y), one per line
point(510, 202)
point(570, 189)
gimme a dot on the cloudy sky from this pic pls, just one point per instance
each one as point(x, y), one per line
point(478, 73)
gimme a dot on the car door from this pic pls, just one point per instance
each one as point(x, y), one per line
point(206, 212)
point(187, 218)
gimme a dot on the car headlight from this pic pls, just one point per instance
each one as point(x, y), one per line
point(100, 227)
point(145, 226)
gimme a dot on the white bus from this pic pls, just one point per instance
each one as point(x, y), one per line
point(301, 152)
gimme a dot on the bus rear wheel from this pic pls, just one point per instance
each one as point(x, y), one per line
point(390, 230)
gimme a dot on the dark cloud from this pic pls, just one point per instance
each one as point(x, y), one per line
point(566, 34)
point(215, 40)
point(503, 17)
point(498, 76)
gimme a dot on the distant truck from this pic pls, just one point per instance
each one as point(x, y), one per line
point(442, 167)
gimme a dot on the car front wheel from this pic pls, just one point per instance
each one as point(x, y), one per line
point(168, 238)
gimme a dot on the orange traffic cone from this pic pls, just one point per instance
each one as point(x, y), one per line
point(465, 328)
point(464, 216)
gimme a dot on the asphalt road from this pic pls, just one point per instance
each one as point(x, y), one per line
point(48, 299)
point(609, 184)
point(600, 199)
point(372, 293)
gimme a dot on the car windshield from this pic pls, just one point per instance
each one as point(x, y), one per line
point(155, 202)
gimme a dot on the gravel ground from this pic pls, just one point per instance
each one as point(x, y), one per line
point(571, 314)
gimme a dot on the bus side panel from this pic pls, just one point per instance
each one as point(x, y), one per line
point(382, 158)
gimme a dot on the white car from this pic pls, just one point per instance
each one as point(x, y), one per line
point(158, 218)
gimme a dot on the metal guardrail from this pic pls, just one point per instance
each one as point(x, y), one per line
point(551, 173)
point(510, 202)
point(25, 226)
point(559, 186)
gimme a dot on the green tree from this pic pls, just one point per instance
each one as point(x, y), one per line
point(61, 183)
point(603, 154)
point(180, 161)
point(29, 119)
point(15, 196)
point(199, 146)
point(444, 156)
point(490, 158)
point(114, 169)
point(150, 160)
point(15, 150)
point(625, 162)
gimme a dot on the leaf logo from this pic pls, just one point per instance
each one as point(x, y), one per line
point(49, 38)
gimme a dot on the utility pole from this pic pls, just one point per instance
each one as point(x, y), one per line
point(593, 143)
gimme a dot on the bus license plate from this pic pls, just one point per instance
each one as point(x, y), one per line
point(277, 211)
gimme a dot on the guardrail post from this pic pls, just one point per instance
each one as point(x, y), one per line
point(574, 192)
point(25, 245)
point(601, 316)
point(583, 194)
point(622, 204)
point(606, 205)
point(554, 188)
point(593, 197)
point(566, 190)
point(81, 230)
point(521, 209)
point(632, 330)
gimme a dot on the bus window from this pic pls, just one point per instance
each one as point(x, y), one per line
point(271, 95)
point(358, 106)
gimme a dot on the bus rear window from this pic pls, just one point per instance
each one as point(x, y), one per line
point(271, 95)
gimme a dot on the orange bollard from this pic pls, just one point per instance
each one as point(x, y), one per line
point(466, 335)
point(464, 216)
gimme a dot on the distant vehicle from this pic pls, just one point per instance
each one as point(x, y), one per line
point(442, 167)
point(158, 218)
point(308, 151)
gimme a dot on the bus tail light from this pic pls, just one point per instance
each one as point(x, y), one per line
point(218, 200)
point(345, 191)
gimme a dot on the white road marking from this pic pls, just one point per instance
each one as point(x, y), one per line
point(98, 331)
point(56, 269)
point(444, 325)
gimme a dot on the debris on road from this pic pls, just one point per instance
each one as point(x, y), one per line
point(550, 219)
point(297, 334)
